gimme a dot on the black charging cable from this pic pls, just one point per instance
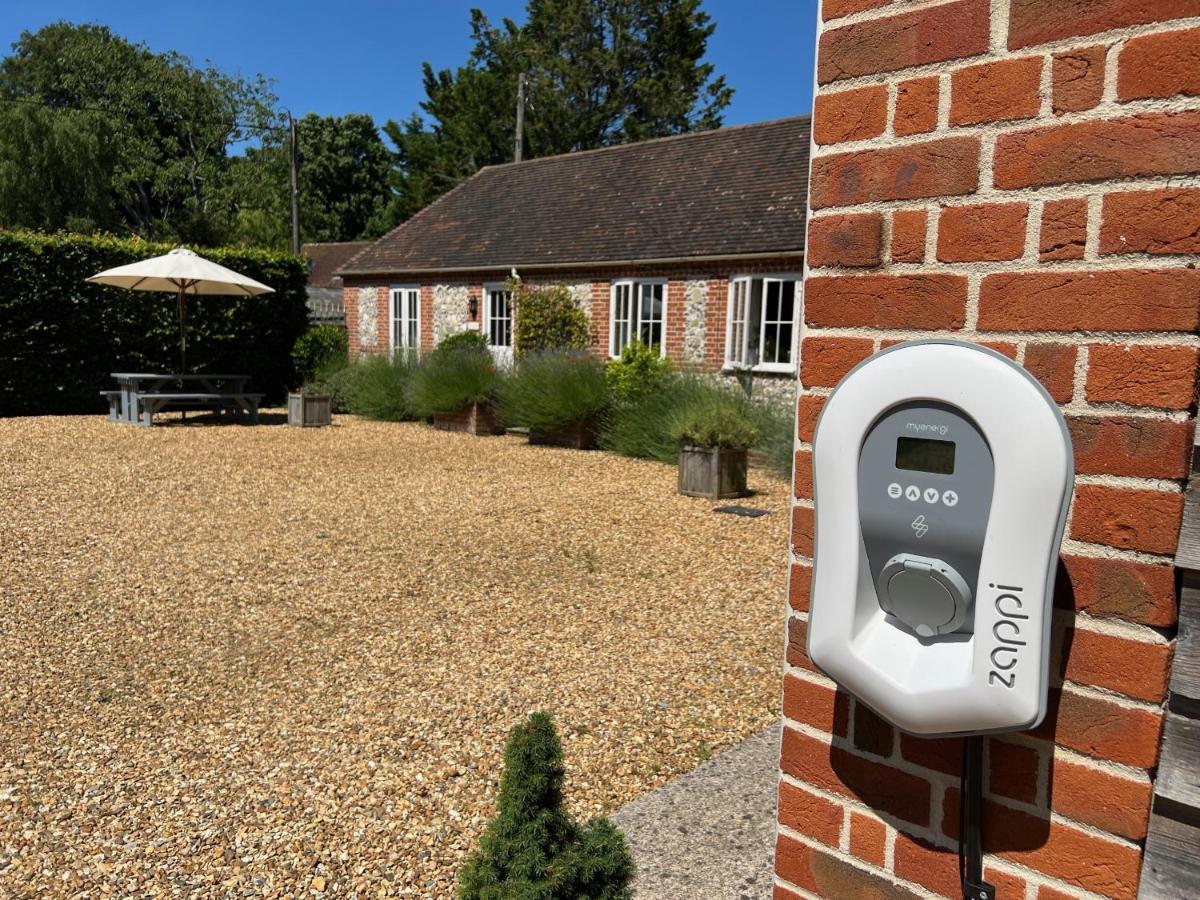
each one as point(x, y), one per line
point(970, 827)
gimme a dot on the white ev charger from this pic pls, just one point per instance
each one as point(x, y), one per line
point(942, 476)
point(943, 472)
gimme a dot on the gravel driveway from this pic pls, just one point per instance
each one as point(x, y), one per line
point(268, 661)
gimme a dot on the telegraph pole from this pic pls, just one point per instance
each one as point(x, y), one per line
point(519, 141)
point(294, 154)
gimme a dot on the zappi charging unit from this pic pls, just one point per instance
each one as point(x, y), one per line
point(942, 476)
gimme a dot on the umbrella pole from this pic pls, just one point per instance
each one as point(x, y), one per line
point(182, 331)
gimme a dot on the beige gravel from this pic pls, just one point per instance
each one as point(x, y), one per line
point(268, 661)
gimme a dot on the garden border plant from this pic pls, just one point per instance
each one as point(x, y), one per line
point(456, 386)
point(559, 396)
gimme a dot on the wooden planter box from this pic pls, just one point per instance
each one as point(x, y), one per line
point(580, 436)
point(477, 419)
point(310, 409)
point(712, 472)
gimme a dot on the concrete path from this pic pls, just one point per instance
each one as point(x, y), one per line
point(709, 834)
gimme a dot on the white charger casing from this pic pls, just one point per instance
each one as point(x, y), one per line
point(988, 672)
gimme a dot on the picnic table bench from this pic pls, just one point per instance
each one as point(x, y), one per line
point(141, 394)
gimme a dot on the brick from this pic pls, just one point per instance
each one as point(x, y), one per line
point(1046, 892)
point(836, 9)
point(808, 410)
point(1138, 669)
point(1004, 348)
point(1143, 593)
point(817, 705)
point(802, 530)
point(872, 734)
point(1142, 375)
point(886, 790)
point(820, 872)
point(799, 586)
point(1077, 78)
point(1160, 65)
point(779, 892)
point(948, 167)
point(802, 485)
point(810, 814)
point(940, 754)
point(1102, 728)
point(949, 31)
point(908, 235)
point(1054, 366)
point(797, 638)
point(887, 301)
point(996, 91)
point(916, 106)
point(1155, 222)
point(1036, 22)
point(993, 231)
point(1005, 883)
point(853, 115)
point(1106, 800)
point(1064, 229)
point(1119, 300)
point(845, 240)
point(932, 867)
point(1013, 771)
point(868, 839)
point(824, 361)
point(1146, 145)
point(1081, 858)
point(1128, 519)
point(1130, 445)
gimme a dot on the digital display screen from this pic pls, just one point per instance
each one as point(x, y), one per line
point(924, 455)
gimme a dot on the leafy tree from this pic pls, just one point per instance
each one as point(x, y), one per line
point(170, 125)
point(600, 72)
point(533, 850)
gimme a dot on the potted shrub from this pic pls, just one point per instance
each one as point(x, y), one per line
point(559, 397)
point(318, 355)
point(455, 386)
point(714, 434)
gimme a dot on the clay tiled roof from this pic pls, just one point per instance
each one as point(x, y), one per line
point(327, 258)
point(732, 192)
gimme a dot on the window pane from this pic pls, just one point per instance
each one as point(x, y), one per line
point(772, 310)
point(785, 343)
point(754, 319)
point(787, 311)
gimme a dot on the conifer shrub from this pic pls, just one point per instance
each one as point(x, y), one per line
point(553, 391)
point(457, 374)
point(533, 850)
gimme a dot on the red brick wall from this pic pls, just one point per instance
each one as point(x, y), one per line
point(1023, 174)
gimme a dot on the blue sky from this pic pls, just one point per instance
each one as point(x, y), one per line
point(365, 55)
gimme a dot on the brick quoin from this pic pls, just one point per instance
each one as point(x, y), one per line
point(1157, 143)
point(1078, 78)
point(1064, 229)
point(991, 92)
point(1142, 375)
point(916, 105)
point(852, 115)
point(1006, 100)
point(950, 31)
point(848, 240)
point(1160, 65)
point(1035, 21)
point(994, 232)
point(1155, 222)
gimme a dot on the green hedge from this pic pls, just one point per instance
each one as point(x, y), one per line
point(60, 338)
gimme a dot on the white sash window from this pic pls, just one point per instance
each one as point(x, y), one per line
point(405, 318)
point(638, 310)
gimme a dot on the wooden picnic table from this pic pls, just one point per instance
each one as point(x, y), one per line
point(140, 395)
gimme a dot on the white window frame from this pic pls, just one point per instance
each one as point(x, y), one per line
point(486, 324)
point(760, 327)
point(410, 296)
point(635, 319)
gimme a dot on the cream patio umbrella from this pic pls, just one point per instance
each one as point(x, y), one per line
point(181, 272)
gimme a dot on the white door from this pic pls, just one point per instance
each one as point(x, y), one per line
point(405, 333)
point(498, 323)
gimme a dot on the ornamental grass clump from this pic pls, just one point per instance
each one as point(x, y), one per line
point(533, 850)
point(550, 392)
point(714, 418)
point(456, 375)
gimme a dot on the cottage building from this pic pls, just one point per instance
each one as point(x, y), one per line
point(325, 289)
point(693, 244)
